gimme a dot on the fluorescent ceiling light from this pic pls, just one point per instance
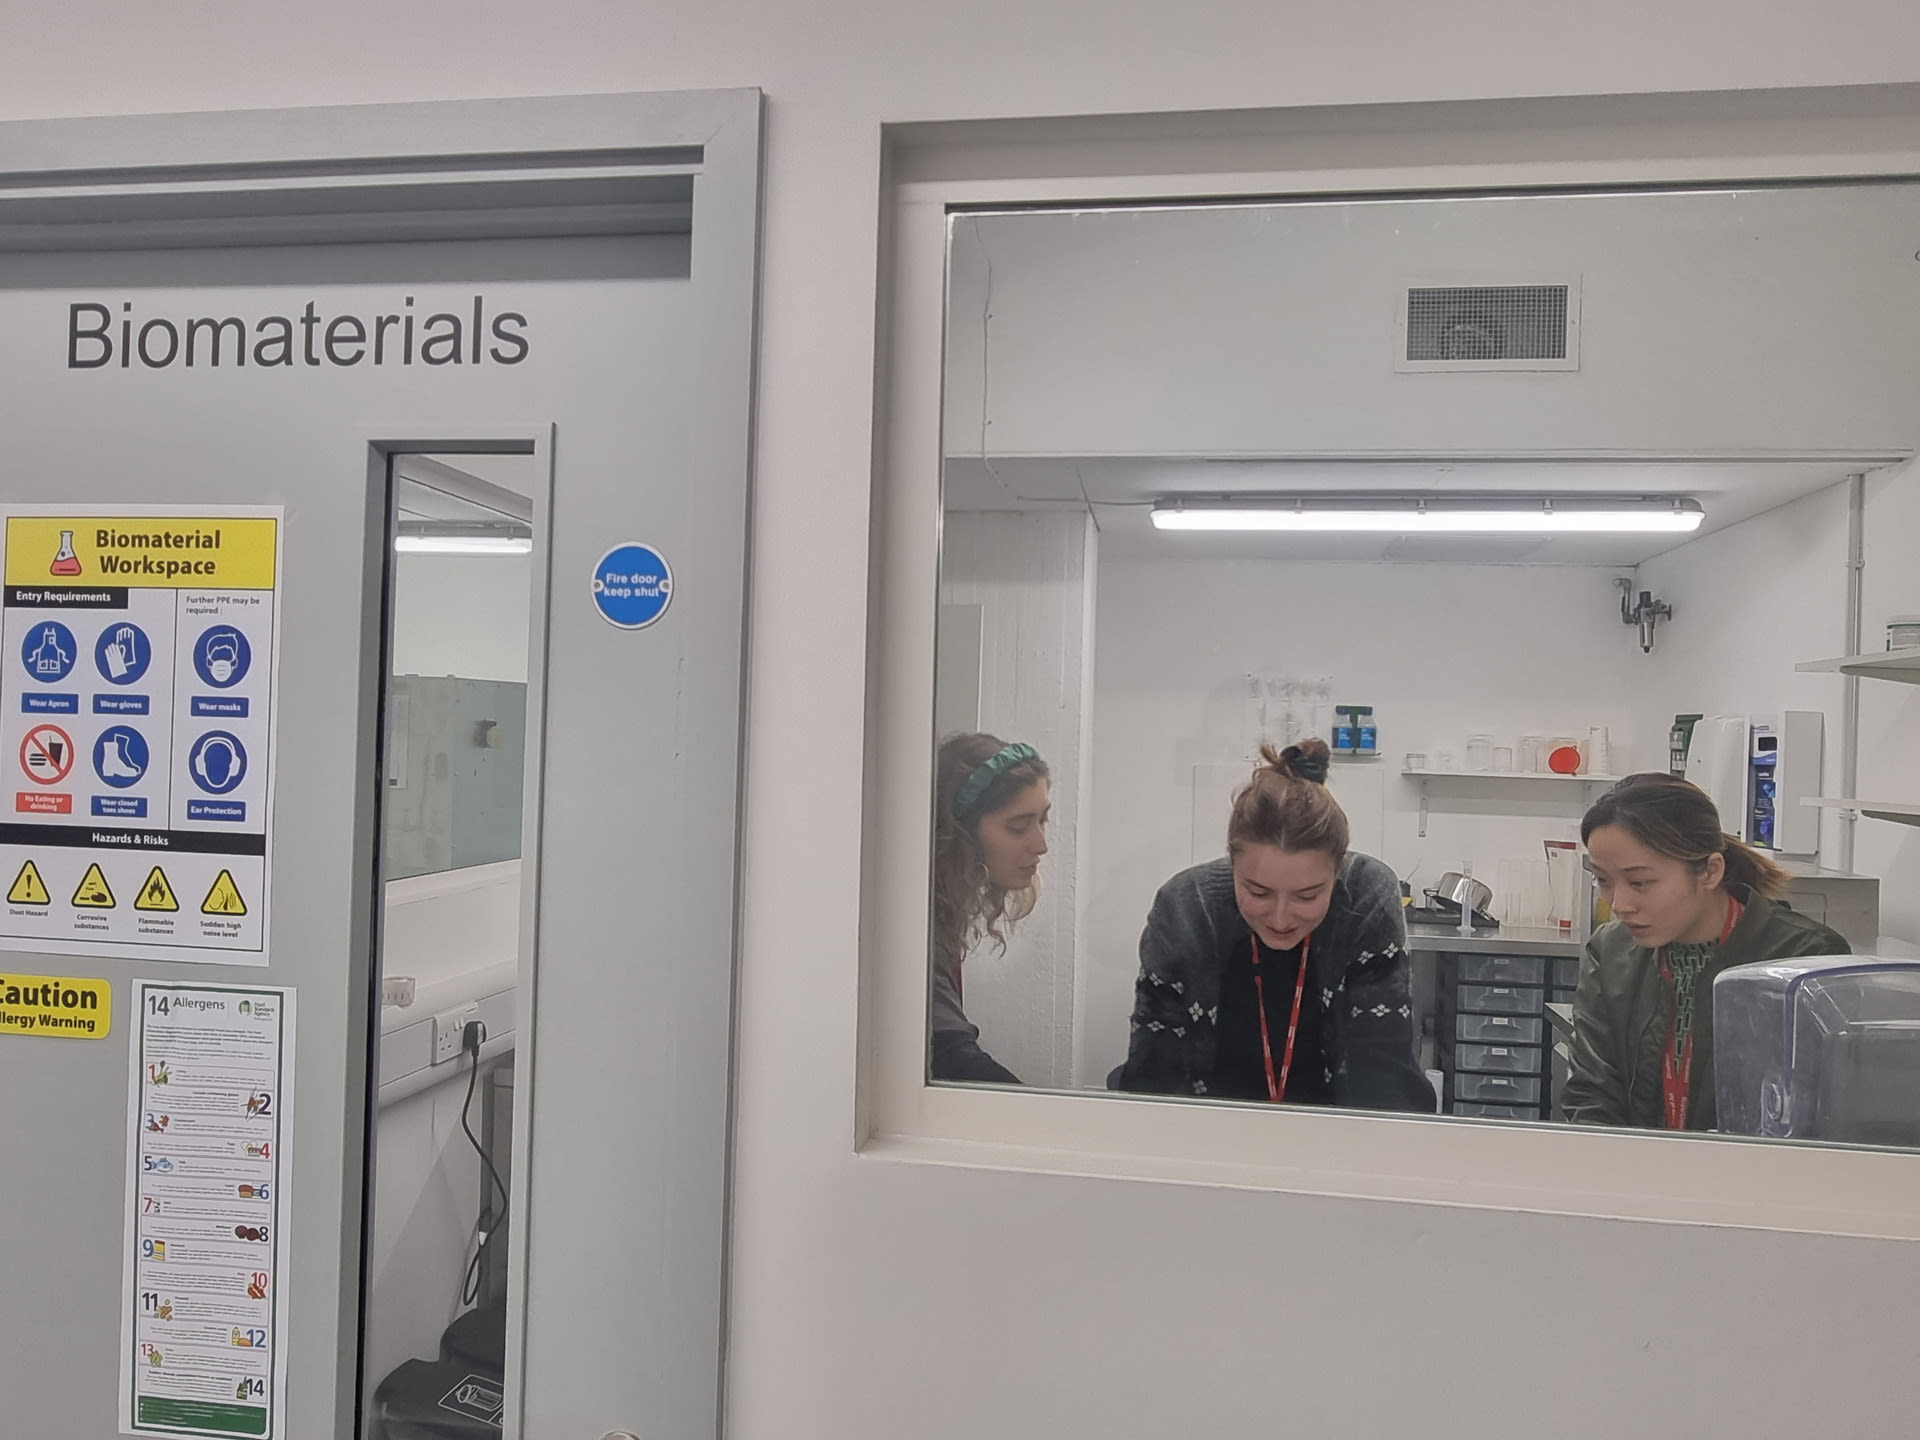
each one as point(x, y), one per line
point(463, 544)
point(1479, 516)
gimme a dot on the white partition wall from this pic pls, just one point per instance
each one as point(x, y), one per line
point(874, 1297)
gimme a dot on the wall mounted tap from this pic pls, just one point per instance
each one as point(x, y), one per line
point(1644, 612)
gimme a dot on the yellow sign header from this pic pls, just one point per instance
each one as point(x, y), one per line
point(57, 1006)
point(141, 552)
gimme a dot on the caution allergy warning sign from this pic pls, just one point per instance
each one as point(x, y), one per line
point(56, 1006)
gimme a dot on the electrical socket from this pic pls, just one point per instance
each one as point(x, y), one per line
point(448, 1027)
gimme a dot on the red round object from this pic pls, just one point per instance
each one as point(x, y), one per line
point(1564, 761)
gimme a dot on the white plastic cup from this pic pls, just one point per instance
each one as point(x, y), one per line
point(1598, 754)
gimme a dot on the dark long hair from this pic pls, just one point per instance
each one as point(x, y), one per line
point(968, 906)
point(1287, 804)
point(1677, 819)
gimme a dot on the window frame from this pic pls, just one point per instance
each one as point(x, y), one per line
point(1864, 133)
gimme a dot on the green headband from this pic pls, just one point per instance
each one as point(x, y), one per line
point(974, 788)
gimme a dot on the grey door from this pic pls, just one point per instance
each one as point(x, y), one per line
point(587, 268)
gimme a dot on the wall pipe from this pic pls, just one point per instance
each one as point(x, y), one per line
point(1850, 691)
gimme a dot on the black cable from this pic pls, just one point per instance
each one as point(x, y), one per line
point(470, 1288)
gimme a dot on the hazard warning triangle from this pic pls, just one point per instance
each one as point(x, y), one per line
point(94, 893)
point(224, 897)
point(156, 894)
point(28, 887)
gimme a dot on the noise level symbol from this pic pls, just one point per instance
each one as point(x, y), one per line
point(224, 897)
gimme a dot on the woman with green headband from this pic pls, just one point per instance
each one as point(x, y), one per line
point(990, 831)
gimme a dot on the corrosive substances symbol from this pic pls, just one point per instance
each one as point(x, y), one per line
point(93, 893)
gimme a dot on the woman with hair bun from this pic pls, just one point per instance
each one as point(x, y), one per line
point(1688, 901)
point(1279, 972)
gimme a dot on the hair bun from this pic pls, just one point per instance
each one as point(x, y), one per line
point(1309, 761)
point(1306, 761)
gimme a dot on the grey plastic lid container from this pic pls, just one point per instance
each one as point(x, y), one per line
point(1821, 1048)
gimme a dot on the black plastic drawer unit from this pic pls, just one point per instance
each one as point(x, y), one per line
point(1502, 999)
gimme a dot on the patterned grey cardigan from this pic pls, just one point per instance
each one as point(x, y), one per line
point(1360, 978)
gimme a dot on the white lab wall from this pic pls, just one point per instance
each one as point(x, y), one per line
point(871, 1298)
point(1749, 603)
point(1890, 712)
point(1032, 575)
point(461, 615)
point(1438, 650)
point(426, 1197)
point(1076, 330)
point(445, 931)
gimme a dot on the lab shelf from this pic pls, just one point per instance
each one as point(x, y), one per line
point(1504, 777)
point(1902, 812)
point(1902, 665)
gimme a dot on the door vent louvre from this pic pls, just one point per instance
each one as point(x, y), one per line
point(1490, 327)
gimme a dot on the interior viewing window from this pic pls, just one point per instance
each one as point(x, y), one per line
point(455, 761)
point(1444, 656)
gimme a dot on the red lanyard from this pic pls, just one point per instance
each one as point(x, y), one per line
point(1276, 1088)
point(1676, 1069)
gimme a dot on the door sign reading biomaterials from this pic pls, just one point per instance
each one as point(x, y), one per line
point(204, 1307)
point(137, 688)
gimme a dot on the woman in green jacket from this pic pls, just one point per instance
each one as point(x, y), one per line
point(1688, 901)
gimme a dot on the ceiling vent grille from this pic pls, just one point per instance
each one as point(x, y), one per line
point(1490, 327)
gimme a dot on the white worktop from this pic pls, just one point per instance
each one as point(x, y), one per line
point(1507, 940)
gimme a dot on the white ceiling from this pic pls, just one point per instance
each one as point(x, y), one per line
point(509, 472)
point(1122, 490)
point(487, 491)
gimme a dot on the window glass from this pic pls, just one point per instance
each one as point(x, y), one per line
point(454, 762)
point(1395, 655)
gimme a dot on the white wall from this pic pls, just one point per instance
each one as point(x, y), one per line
point(426, 1198)
point(1179, 641)
point(1889, 712)
point(1666, 298)
point(1033, 576)
point(1749, 603)
point(874, 1298)
point(442, 930)
point(461, 615)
